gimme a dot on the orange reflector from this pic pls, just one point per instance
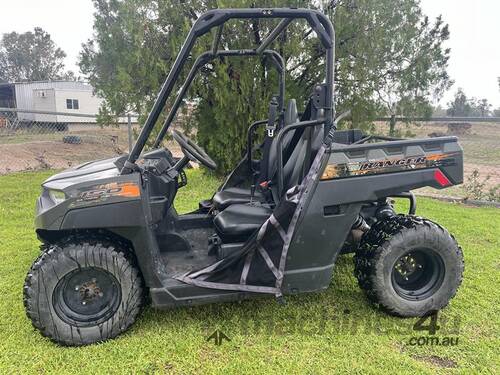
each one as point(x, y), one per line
point(441, 179)
point(129, 190)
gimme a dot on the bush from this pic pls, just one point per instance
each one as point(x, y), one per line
point(475, 188)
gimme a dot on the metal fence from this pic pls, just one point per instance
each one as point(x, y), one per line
point(31, 140)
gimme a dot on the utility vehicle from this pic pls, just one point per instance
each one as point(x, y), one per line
point(112, 237)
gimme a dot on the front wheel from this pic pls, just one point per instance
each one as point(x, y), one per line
point(83, 292)
point(409, 266)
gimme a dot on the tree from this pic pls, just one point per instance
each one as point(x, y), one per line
point(482, 107)
point(390, 59)
point(460, 106)
point(393, 52)
point(31, 56)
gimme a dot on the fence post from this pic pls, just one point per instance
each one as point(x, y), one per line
point(392, 125)
point(129, 125)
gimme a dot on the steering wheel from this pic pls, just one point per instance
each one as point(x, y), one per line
point(193, 151)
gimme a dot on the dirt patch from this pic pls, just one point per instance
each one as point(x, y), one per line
point(436, 361)
point(459, 128)
point(56, 154)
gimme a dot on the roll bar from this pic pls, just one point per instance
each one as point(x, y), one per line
point(281, 136)
point(218, 17)
point(206, 57)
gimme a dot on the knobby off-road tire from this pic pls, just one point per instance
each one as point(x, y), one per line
point(83, 291)
point(409, 266)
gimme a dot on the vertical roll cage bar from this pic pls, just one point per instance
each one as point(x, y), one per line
point(218, 17)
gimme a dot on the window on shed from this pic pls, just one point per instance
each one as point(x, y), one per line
point(72, 104)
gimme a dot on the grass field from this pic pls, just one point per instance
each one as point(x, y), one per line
point(330, 332)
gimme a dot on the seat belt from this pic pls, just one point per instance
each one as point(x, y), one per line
point(266, 147)
point(271, 120)
point(268, 140)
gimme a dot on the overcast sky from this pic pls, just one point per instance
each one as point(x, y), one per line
point(474, 41)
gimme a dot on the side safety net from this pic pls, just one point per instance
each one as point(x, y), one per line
point(260, 265)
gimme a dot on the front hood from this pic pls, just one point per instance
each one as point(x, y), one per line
point(88, 185)
point(91, 171)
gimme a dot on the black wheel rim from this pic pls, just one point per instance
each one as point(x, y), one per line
point(87, 296)
point(418, 274)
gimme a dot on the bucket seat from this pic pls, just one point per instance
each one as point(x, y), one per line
point(238, 221)
point(238, 195)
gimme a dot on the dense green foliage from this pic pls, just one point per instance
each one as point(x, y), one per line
point(389, 60)
point(336, 331)
point(31, 56)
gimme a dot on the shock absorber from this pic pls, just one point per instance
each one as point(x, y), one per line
point(360, 224)
point(358, 228)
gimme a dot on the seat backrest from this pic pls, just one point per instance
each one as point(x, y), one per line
point(298, 158)
point(291, 113)
point(297, 166)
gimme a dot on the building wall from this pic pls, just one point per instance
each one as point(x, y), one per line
point(25, 98)
point(87, 104)
point(44, 100)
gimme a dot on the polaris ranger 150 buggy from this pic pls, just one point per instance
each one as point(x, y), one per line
point(111, 235)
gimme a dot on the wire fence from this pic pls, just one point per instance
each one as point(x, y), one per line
point(31, 140)
point(34, 140)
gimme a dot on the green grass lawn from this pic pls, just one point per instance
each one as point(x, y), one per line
point(329, 332)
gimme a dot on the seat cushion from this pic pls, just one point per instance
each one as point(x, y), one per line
point(239, 221)
point(234, 195)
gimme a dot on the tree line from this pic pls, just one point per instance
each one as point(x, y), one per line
point(463, 106)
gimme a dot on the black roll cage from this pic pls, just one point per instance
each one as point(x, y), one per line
point(208, 56)
point(218, 17)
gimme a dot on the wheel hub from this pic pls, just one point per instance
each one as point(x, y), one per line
point(407, 265)
point(417, 274)
point(89, 291)
point(87, 296)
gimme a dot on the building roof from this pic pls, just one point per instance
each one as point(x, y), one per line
point(46, 81)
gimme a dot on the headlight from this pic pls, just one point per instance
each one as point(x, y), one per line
point(57, 196)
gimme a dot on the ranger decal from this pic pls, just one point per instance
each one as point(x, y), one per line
point(386, 166)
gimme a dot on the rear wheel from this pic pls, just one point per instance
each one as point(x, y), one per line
point(409, 266)
point(83, 292)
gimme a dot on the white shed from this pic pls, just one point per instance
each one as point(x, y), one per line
point(53, 96)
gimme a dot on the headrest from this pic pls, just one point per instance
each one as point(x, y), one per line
point(291, 113)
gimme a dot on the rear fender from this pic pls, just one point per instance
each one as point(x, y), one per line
point(351, 176)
